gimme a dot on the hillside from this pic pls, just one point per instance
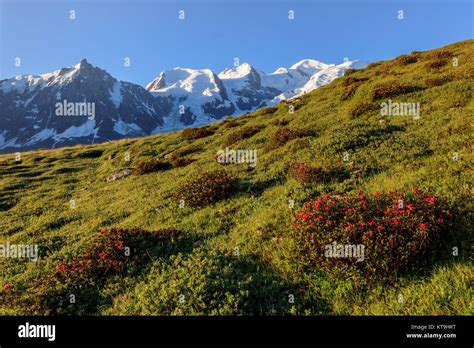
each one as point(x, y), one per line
point(234, 251)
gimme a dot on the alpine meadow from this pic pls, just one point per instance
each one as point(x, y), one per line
point(352, 199)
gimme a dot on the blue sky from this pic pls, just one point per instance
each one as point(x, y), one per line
point(214, 32)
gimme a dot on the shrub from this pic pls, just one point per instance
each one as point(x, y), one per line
point(361, 108)
point(353, 80)
point(299, 144)
point(266, 111)
point(438, 81)
point(230, 124)
point(112, 252)
point(184, 151)
point(206, 189)
point(89, 154)
point(436, 64)
point(106, 254)
point(279, 122)
point(359, 135)
point(240, 134)
point(213, 283)
point(284, 135)
point(196, 133)
point(307, 174)
point(150, 166)
point(348, 91)
point(391, 89)
point(441, 54)
point(398, 232)
point(179, 162)
point(405, 60)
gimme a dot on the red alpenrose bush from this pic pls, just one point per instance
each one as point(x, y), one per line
point(397, 231)
point(112, 251)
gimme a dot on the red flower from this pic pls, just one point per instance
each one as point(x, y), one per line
point(440, 219)
point(8, 286)
point(61, 267)
point(430, 200)
point(318, 204)
point(423, 225)
point(103, 255)
point(380, 227)
point(119, 245)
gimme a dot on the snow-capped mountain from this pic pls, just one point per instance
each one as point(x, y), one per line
point(79, 104)
point(199, 97)
point(83, 104)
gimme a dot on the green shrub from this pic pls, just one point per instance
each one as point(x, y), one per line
point(206, 189)
point(436, 64)
point(438, 81)
point(212, 283)
point(266, 111)
point(405, 60)
point(196, 133)
point(348, 91)
point(284, 135)
point(280, 122)
point(184, 151)
point(361, 108)
point(359, 135)
point(353, 80)
point(231, 124)
point(392, 89)
point(150, 166)
point(307, 174)
point(241, 134)
point(92, 153)
point(179, 162)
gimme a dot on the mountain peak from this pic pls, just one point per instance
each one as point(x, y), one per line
point(308, 67)
point(237, 72)
point(83, 64)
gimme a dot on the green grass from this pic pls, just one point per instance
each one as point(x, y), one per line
point(239, 256)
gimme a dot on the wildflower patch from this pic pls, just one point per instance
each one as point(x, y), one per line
point(398, 232)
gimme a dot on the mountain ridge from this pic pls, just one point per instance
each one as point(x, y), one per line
point(175, 99)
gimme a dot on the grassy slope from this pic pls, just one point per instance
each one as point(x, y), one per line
point(393, 152)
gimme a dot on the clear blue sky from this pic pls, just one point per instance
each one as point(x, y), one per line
point(215, 31)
